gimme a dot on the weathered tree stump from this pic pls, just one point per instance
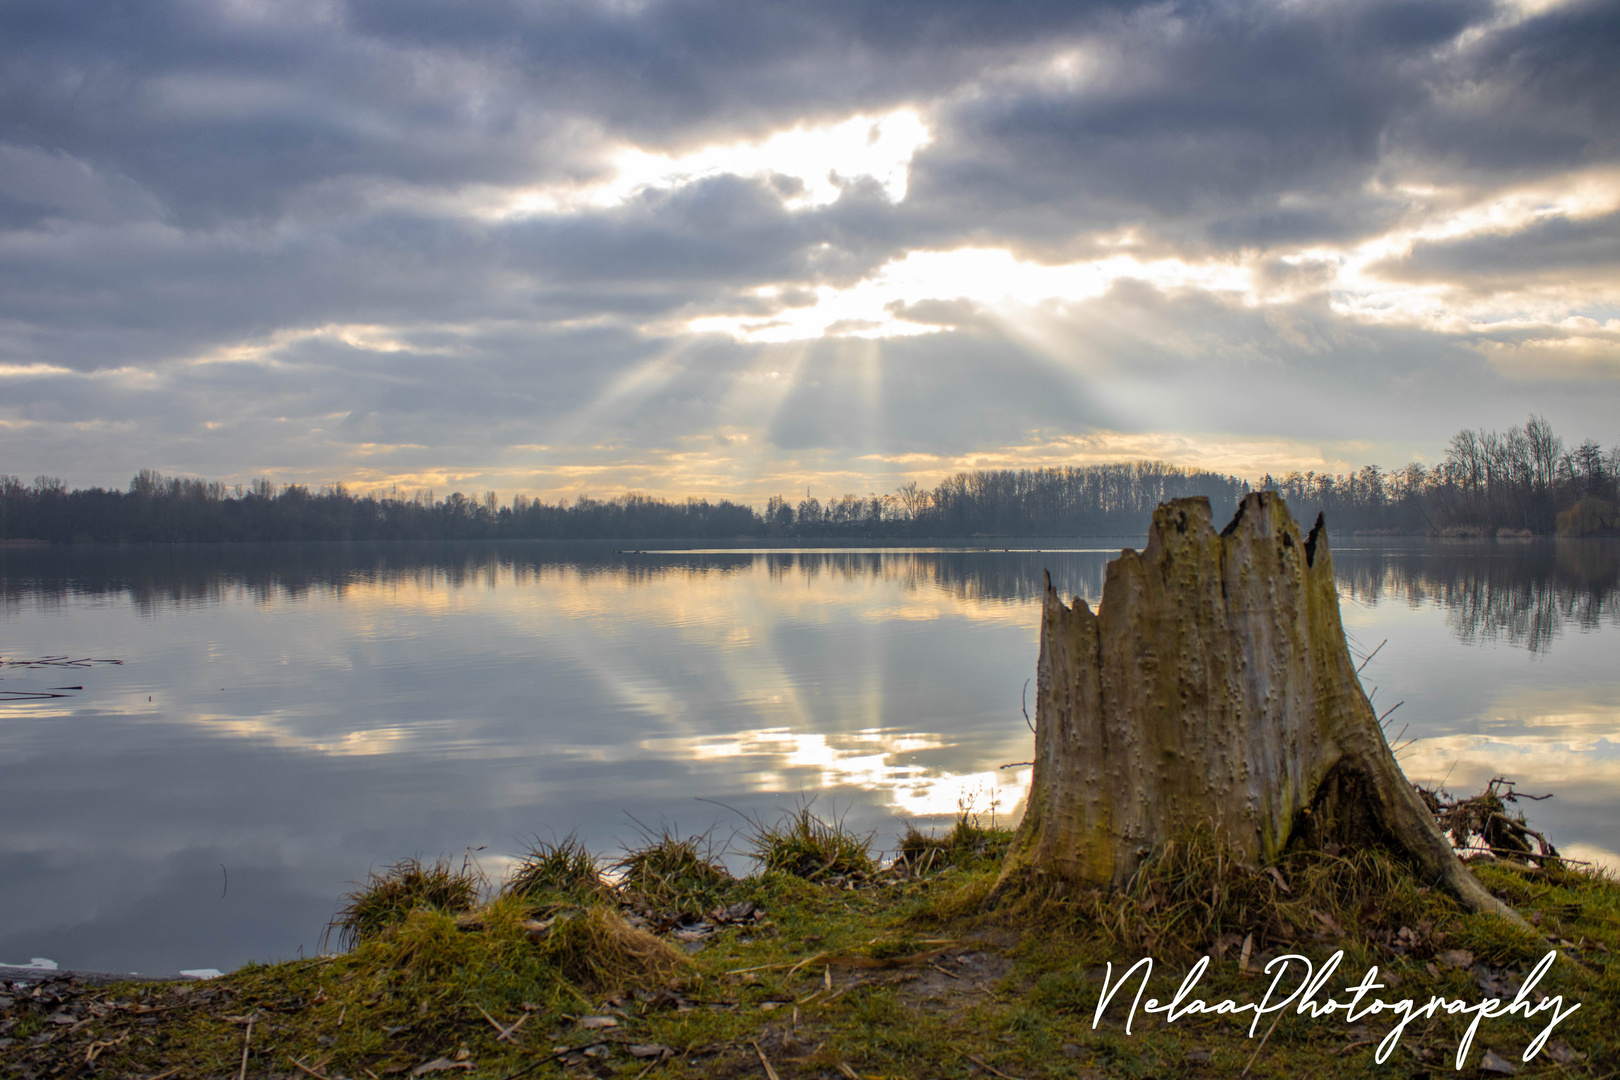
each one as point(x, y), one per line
point(1213, 692)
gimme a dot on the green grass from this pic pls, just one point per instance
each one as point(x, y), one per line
point(435, 981)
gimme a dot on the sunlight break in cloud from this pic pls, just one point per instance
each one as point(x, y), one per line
point(989, 276)
point(995, 278)
point(822, 158)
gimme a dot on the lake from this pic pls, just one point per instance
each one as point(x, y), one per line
point(283, 718)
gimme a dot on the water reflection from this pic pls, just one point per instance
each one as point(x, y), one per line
point(1526, 593)
point(181, 575)
point(302, 712)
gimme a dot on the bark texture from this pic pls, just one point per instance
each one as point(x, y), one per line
point(1213, 691)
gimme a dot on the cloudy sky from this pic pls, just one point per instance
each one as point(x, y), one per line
point(691, 247)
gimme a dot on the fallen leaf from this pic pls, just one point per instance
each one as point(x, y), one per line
point(597, 1022)
point(1491, 1063)
point(647, 1050)
point(440, 1065)
point(1560, 1051)
point(1457, 958)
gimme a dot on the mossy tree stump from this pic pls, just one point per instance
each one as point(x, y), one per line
point(1213, 692)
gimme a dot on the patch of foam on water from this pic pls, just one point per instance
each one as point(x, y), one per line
point(202, 973)
point(38, 963)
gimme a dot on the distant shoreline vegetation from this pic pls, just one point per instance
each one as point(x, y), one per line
point(1519, 483)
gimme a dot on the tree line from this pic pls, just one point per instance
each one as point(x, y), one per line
point(1523, 481)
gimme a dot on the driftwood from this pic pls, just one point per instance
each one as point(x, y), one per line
point(1213, 692)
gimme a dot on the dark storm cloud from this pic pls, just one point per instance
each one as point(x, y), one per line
point(1537, 95)
point(100, 298)
point(185, 178)
point(223, 111)
point(1201, 120)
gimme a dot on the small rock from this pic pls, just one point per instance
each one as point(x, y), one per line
point(1493, 1064)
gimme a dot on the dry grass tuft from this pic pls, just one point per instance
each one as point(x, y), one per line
point(966, 846)
point(561, 870)
point(673, 873)
point(386, 899)
point(804, 845)
point(1190, 893)
point(596, 949)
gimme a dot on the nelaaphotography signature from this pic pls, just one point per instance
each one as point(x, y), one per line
point(1355, 1005)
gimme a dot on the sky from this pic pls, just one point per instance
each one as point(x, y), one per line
point(685, 247)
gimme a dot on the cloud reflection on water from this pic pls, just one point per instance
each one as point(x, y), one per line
point(317, 710)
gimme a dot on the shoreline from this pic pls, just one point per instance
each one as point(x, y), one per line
point(866, 972)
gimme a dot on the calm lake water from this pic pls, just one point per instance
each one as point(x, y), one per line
point(287, 717)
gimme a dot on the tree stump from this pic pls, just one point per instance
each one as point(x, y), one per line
point(1213, 691)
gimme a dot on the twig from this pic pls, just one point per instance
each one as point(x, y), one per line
point(247, 1037)
point(794, 969)
point(842, 990)
point(1015, 764)
point(527, 1069)
point(762, 967)
point(1264, 1037)
point(506, 1033)
point(1024, 703)
point(1528, 854)
point(987, 1067)
point(1364, 663)
point(770, 1073)
point(296, 1064)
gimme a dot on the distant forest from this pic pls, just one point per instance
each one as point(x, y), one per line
point(1524, 481)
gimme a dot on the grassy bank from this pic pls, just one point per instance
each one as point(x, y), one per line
point(825, 965)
